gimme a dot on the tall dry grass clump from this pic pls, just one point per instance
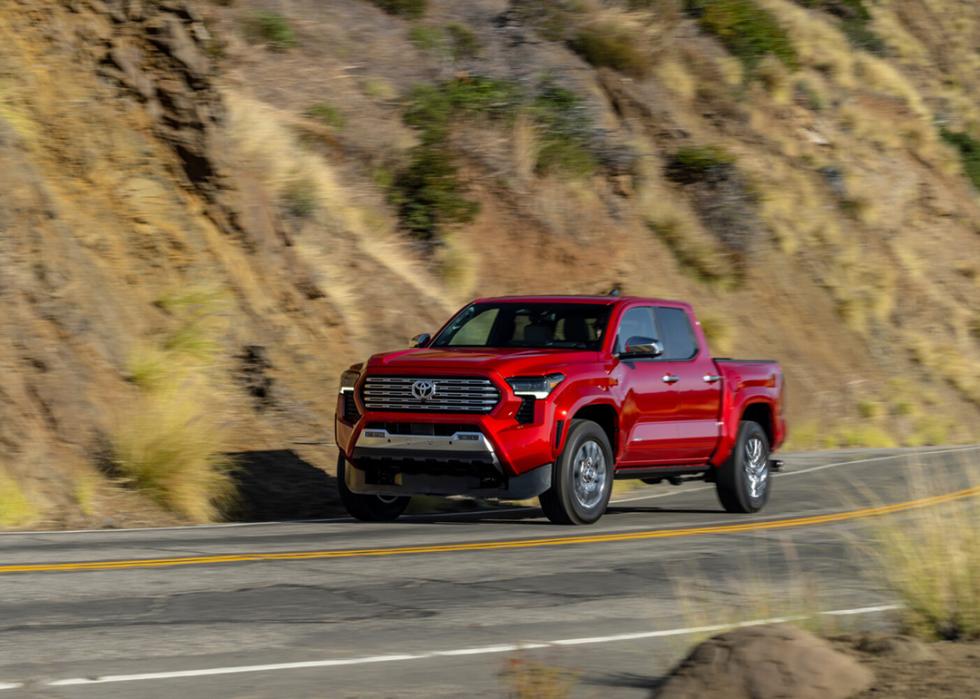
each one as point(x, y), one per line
point(171, 442)
point(15, 508)
point(171, 447)
point(931, 558)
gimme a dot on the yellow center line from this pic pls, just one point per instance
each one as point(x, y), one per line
point(813, 520)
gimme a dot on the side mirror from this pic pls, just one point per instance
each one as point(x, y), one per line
point(638, 347)
point(420, 340)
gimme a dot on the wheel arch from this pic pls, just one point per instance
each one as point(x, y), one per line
point(604, 415)
point(761, 413)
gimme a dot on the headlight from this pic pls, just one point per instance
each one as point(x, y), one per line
point(537, 386)
point(349, 378)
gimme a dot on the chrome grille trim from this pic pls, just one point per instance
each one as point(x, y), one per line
point(452, 395)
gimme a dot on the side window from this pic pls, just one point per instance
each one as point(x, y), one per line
point(677, 334)
point(636, 322)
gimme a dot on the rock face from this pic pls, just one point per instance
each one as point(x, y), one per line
point(766, 662)
point(158, 52)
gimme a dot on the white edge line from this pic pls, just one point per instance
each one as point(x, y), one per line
point(10, 685)
point(478, 650)
point(237, 525)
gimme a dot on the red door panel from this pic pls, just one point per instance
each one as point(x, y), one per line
point(696, 421)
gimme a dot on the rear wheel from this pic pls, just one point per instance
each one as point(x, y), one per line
point(582, 478)
point(743, 481)
point(368, 508)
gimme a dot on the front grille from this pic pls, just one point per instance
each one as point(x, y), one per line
point(451, 395)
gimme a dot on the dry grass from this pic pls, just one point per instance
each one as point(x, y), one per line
point(765, 586)
point(170, 442)
point(864, 435)
point(16, 509)
point(931, 559)
point(85, 493)
point(270, 147)
point(532, 679)
point(171, 446)
point(696, 251)
point(719, 332)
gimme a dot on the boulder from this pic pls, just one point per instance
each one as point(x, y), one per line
point(766, 662)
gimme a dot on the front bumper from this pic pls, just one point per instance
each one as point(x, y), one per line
point(462, 463)
point(462, 446)
point(388, 481)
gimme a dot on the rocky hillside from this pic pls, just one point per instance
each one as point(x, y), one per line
point(208, 209)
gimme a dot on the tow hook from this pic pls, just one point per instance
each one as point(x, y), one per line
point(776, 464)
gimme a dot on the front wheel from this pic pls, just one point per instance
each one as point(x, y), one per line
point(368, 508)
point(582, 478)
point(743, 481)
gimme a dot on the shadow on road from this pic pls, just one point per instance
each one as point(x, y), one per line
point(279, 485)
point(625, 679)
point(632, 510)
point(533, 515)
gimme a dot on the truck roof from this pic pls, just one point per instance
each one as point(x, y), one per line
point(577, 298)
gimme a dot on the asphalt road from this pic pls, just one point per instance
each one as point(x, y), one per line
point(439, 606)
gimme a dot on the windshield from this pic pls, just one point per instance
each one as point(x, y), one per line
point(536, 325)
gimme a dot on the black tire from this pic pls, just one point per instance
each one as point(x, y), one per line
point(367, 508)
point(734, 485)
point(560, 503)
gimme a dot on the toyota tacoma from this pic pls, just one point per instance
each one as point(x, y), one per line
point(554, 397)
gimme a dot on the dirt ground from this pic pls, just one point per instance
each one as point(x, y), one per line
point(908, 669)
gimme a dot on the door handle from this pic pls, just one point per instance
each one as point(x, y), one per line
point(670, 378)
point(711, 378)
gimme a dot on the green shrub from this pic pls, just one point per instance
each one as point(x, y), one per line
point(427, 192)
point(969, 149)
point(455, 40)
point(429, 195)
point(327, 114)
point(692, 164)
point(613, 47)
point(427, 38)
point(855, 19)
point(560, 154)
point(432, 107)
point(299, 198)
point(563, 138)
point(553, 19)
point(272, 29)
point(747, 30)
point(464, 41)
point(403, 8)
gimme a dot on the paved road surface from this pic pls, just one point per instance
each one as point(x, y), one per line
point(437, 607)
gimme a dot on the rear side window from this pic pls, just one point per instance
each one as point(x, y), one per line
point(676, 334)
point(636, 322)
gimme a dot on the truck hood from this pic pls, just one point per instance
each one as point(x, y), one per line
point(506, 362)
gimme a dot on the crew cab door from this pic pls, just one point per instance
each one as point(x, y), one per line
point(650, 404)
point(696, 383)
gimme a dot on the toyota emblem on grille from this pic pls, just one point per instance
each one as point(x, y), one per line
point(424, 390)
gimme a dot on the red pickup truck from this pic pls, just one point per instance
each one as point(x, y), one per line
point(554, 397)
